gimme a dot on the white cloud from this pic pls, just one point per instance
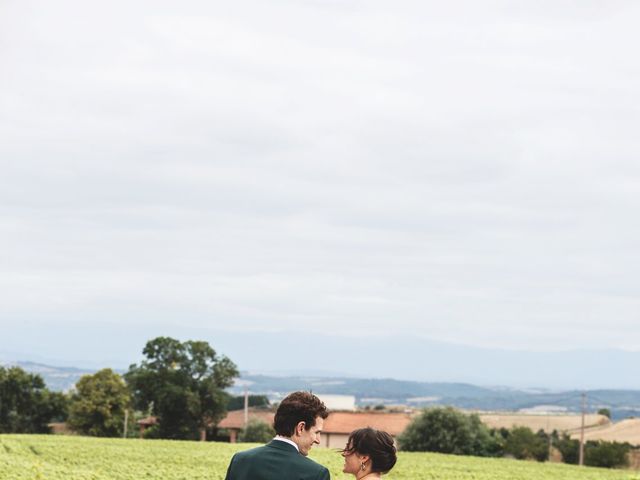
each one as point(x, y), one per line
point(463, 172)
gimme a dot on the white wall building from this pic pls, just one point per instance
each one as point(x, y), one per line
point(338, 402)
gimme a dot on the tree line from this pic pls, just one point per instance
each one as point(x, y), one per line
point(181, 384)
point(446, 430)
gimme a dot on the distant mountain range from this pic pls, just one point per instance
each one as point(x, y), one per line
point(372, 392)
point(57, 378)
point(621, 403)
point(399, 356)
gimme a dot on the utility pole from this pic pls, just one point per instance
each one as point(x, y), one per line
point(550, 446)
point(126, 422)
point(584, 407)
point(246, 406)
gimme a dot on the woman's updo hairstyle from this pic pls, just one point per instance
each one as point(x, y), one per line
point(378, 445)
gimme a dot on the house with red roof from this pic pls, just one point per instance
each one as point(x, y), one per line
point(337, 426)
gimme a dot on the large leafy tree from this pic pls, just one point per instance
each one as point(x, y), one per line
point(26, 405)
point(182, 384)
point(447, 430)
point(99, 404)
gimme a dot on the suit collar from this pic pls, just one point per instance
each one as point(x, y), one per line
point(280, 445)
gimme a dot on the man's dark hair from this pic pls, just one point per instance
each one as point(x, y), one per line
point(295, 408)
point(377, 444)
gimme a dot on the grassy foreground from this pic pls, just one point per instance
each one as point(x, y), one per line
point(35, 457)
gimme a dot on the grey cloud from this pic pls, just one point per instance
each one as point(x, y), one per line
point(465, 171)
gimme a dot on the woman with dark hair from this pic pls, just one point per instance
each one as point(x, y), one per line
point(369, 453)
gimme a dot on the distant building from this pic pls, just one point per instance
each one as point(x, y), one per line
point(338, 402)
point(145, 423)
point(337, 426)
point(234, 422)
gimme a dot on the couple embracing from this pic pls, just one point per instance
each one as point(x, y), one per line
point(298, 424)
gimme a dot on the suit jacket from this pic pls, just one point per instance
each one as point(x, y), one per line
point(275, 461)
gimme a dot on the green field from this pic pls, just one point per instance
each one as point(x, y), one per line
point(32, 457)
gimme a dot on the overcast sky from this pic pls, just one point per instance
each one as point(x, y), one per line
point(463, 171)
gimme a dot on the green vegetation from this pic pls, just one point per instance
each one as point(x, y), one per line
point(237, 403)
point(596, 454)
point(523, 444)
point(98, 406)
point(606, 412)
point(606, 454)
point(183, 385)
point(257, 431)
point(569, 448)
point(446, 430)
point(26, 405)
point(48, 457)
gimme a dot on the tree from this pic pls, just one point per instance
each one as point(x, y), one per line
point(596, 453)
point(606, 454)
point(447, 430)
point(99, 404)
point(257, 431)
point(182, 384)
point(522, 443)
point(569, 448)
point(26, 405)
point(606, 412)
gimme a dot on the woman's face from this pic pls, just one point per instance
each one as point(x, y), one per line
point(352, 461)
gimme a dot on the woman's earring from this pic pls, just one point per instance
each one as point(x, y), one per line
point(362, 466)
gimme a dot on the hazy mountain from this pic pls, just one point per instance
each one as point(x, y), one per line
point(390, 356)
point(57, 378)
point(622, 403)
point(389, 391)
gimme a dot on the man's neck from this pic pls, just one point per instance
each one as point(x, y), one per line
point(287, 440)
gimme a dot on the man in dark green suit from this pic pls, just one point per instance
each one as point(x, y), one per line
point(298, 423)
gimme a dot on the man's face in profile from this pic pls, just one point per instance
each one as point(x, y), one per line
point(305, 439)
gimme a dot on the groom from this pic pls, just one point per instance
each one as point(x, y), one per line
point(298, 423)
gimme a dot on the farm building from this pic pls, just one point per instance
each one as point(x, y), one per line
point(337, 426)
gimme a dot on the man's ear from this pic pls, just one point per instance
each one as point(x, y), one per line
point(300, 428)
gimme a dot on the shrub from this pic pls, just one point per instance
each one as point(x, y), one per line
point(569, 448)
point(606, 412)
point(596, 453)
point(447, 430)
point(522, 443)
point(606, 454)
point(257, 431)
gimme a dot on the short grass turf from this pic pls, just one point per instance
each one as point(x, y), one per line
point(57, 457)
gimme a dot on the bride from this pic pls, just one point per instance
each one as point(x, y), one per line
point(369, 453)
